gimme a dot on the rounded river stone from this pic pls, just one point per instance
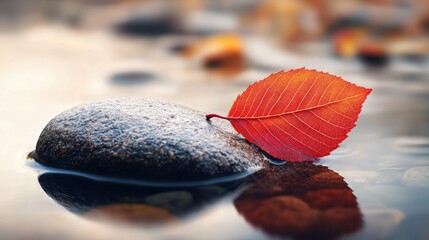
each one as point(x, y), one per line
point(145, 139)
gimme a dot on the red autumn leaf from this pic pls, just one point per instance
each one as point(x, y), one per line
point(297, 115)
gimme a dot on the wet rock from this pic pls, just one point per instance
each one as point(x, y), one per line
point(152, 140)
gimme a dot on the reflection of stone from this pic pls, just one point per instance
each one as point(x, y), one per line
point(129, 203)
point(136, 213)
point(171, 200)
point(145, 139)
point(302, 201)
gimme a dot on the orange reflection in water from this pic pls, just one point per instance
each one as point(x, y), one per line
point(302, 201)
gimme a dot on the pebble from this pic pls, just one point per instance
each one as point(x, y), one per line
point(145, 139)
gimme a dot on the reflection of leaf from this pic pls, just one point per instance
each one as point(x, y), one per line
point(302, 201)
point(297, 115)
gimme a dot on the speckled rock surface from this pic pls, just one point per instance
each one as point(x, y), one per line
point(146, 139)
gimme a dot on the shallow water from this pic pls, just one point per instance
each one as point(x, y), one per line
point(375, 186)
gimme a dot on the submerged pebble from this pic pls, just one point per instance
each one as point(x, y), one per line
point(416, 177)
point(131, 78)
point(145, 139)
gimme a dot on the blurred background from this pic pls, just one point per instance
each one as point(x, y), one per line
point(177, 50)
point(55, 54)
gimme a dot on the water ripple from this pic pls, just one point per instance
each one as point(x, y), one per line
point(41, 169)
point(343, 151)
point(412, 145)
point(416, 177)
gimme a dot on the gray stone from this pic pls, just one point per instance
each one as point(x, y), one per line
point(146, 139)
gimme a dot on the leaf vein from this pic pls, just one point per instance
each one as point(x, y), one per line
point(335, 125)
point(335, 138)
point(285, 144)
point(317, 140)
point(295, 111)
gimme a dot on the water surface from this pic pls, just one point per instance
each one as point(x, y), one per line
point(375, 186)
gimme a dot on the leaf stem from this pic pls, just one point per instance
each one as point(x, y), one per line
point(209, 116)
